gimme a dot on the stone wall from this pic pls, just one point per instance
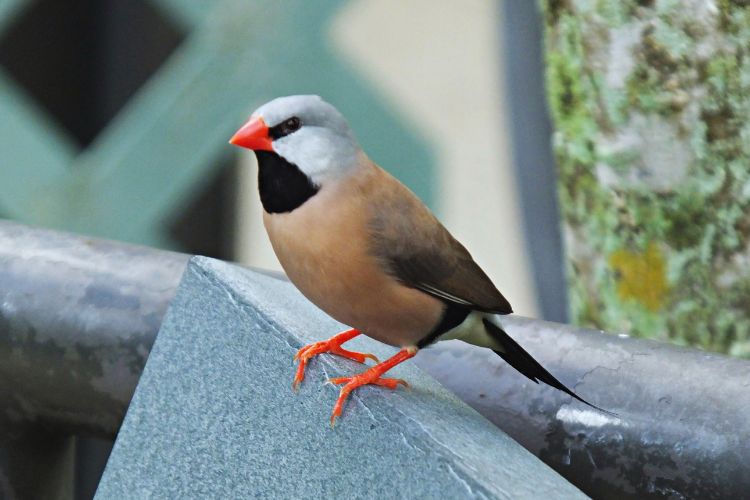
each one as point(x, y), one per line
point(651, 108)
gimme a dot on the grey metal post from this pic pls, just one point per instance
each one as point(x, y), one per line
point(78, 317)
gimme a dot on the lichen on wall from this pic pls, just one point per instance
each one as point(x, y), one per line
point(650, 101)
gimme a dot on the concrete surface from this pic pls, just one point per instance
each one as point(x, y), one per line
point(214, 415)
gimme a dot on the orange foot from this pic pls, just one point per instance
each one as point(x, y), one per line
point(371, 376)
point(332, 345)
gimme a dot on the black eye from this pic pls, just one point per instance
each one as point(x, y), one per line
point(285, 128)
point(291, 125)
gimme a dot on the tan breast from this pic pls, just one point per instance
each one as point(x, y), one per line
point(324, 248)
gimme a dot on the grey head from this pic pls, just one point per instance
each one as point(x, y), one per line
point(311, 134)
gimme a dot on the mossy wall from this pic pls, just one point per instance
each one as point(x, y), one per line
point(651, 107)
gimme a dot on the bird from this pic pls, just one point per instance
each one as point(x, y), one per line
point(364, 248)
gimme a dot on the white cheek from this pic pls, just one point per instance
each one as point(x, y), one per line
point(310, 155)
point(318, 156)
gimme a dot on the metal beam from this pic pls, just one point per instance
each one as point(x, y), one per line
point(78, 317)
point(682, 428)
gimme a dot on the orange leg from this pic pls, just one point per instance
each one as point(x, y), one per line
point(371, 376)
point(332, 345)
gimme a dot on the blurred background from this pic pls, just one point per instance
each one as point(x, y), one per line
point(115, 117)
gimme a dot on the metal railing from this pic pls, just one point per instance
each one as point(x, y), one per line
point(78, 317)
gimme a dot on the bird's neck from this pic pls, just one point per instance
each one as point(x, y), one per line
point(282, 185)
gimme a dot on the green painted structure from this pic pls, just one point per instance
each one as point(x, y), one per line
point(652, 117)
point(164, 144)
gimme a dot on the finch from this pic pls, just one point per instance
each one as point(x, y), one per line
point(364, 249)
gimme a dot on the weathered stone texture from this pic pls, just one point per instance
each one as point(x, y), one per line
point(651, 107)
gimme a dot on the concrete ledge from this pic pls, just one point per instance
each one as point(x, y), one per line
point(214, 415)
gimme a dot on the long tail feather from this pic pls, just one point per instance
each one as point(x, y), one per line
point(522, 361)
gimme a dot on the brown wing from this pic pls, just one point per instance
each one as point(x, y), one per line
point(418, 251)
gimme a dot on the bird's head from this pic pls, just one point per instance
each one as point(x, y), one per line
point(305, 131)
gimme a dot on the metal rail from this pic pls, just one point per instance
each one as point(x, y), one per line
point(78, 317)
point(682, 428)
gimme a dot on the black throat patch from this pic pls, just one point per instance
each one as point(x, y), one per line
point(282, 185)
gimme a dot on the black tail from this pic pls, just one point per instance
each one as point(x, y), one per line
point(522, 361)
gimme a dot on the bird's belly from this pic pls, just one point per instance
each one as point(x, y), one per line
point(328, 260)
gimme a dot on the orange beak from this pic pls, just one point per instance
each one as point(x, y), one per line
point(253, 135)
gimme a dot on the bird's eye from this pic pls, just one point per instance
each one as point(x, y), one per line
point(291, 125)
point(285, 128)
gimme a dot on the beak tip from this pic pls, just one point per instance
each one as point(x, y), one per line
point(253, 135)
point(235, 140)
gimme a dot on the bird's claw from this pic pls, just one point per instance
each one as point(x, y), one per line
point(333, 346)
point(351, 383)
point(389, 383)
point(372, 376)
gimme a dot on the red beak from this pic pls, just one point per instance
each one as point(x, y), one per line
point(253, 135)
